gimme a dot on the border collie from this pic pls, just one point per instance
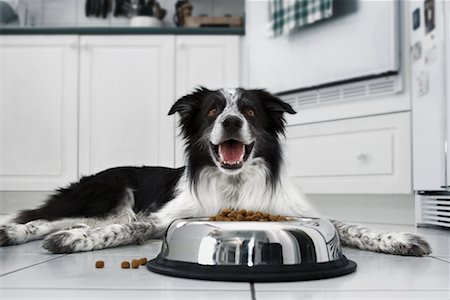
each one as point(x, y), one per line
point(234, 160)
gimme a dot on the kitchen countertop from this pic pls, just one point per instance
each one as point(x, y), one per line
point(122, 30)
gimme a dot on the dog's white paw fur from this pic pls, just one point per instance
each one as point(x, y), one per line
point(12, 234)
point(397, 243)
point(69, 241)
point(410, 244)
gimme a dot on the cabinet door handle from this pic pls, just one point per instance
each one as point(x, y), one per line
point(361, 156)
point(72, 44)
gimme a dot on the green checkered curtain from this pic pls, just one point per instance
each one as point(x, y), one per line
point(287, 15)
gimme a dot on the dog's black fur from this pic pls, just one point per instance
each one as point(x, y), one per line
point(98, 195)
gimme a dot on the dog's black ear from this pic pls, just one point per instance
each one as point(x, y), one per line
point(275, 109)
point(275, 104)
point(187, 104)
point(184, 105)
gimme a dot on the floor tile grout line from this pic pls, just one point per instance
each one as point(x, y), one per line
point(440, 259)
point(252, 290)
point(348, 290)
point(35, 264)
point(121, 289)
point(93, 290)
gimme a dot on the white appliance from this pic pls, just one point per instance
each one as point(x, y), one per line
point(430, 83)
point(363, 36)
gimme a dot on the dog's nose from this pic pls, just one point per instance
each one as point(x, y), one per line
point(232, 123)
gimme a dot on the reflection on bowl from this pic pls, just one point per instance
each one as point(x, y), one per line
point(297, 249)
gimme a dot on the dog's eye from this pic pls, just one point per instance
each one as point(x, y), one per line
point(212, 112)
point(250, 112)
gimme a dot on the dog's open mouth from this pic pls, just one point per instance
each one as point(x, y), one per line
point(231, 153)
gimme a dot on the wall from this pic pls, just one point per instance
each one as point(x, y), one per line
point(11, 202)
point(383, 209)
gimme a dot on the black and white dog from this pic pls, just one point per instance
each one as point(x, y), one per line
point(234, 160)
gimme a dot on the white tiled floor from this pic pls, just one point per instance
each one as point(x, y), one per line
point(29, 272)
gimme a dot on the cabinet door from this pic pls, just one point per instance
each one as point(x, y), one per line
point(361, 155)
point(209, 61)
point(126, 92)
point(38, 111)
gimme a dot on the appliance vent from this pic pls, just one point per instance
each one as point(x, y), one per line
point(329, 95)
point(435, 210)
point(360, 90)
point(307, 98)
point(356, 91)
point(382, 87)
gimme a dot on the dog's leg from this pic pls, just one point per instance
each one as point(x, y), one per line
point(14, 234)
point(146, 227)
point(397, 243)
point(87, 239)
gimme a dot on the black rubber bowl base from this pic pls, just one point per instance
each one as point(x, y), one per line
point(260, 273)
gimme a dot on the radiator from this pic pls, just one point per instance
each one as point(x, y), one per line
point(433, 209)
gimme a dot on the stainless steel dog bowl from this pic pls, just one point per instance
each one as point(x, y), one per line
point(297, 249)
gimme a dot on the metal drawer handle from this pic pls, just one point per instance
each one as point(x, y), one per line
point(361, 156)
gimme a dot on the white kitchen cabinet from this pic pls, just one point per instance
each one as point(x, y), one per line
point(126, 91)
point(38, 111)
point(370, 155)
point(209, 61)
point(76, 105)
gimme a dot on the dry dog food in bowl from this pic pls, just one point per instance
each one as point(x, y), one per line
point(246, 215)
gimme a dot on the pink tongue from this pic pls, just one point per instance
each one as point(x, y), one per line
point(231, 152)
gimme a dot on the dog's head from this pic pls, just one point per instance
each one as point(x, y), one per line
point(230, 127)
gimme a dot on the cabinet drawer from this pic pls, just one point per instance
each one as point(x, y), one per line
point(362, 155)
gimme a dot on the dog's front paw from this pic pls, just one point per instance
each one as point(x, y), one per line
point(12, 234)
point(411, 245)
point(69, 241)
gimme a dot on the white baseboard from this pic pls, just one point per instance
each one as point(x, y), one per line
point(11, 202)
point(383, 209)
